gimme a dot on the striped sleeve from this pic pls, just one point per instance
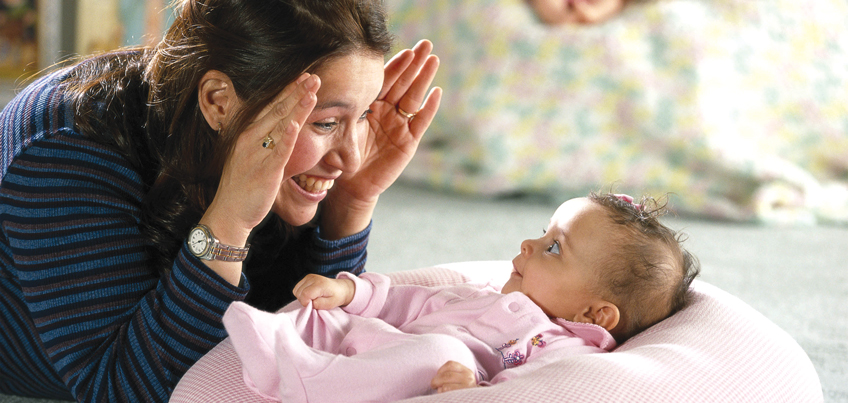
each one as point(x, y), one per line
point(113, 329)
point(347, 254)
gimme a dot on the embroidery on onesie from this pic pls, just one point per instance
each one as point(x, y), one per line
point(513, 358)
point(537, 341)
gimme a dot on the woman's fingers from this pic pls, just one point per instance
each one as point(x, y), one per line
point(411, 100)
point(252, 174)
point(294, 121)
point(282, 95)
point(286, 114)
point(394, 68)
point(424, 117)
point(409, 74)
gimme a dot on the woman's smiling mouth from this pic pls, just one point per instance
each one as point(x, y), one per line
point(313, 184)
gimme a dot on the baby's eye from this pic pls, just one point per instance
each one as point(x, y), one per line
point(554, 248)
point(365, 114)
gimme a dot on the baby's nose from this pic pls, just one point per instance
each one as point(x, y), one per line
point(527, 246)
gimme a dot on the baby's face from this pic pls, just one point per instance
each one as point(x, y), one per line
point(576, 11)
point(558, 270)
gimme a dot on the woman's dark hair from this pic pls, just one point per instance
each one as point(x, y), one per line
point(143, 101)
point(648, 272)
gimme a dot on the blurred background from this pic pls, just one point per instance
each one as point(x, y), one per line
point(36, 34)
point(739, 108)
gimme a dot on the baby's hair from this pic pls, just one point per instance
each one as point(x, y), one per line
point(648, 273)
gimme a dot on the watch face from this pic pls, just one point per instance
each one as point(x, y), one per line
point(197, 241)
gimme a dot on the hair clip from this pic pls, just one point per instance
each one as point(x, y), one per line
point(628, 199)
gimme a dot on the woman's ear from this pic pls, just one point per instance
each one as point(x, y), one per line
point(217, 98)
point(602, 313)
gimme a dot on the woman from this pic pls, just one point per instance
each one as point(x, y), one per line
point(145, 190)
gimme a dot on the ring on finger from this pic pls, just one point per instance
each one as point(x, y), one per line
point(268, 142)
point(404, 113)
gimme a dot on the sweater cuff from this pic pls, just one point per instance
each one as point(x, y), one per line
point(346, 254)
point(341, 243)
point(193, 267)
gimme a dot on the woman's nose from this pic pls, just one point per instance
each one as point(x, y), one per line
point(347, 152)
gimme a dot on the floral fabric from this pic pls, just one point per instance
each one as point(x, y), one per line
point(737, 107)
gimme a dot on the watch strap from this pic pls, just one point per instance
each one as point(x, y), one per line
point(229, 253)
point(218, 251)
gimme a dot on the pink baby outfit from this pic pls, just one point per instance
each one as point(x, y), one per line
point(388, 343)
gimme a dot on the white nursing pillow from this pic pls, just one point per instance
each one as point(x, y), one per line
point(718, 349)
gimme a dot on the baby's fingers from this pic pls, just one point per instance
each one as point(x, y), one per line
point(308, 289)
point(323, 292)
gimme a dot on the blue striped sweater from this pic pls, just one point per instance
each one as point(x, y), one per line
point(83, 314)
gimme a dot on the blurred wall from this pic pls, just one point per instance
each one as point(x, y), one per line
point(68, 28)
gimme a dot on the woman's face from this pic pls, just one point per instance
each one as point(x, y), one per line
point(331, 141)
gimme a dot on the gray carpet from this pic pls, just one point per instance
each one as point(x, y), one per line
point(796, 277)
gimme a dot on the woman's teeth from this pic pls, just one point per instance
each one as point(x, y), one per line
point(312, 184)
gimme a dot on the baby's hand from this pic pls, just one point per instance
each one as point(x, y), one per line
point(453, 376)
point(325, 293)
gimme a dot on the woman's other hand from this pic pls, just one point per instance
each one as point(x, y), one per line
point(253, 173)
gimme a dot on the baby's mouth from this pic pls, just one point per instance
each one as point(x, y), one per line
point(312, 184)
point(515, 271)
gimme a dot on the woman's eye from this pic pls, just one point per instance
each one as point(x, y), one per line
point(554, 248)
point(325, 126)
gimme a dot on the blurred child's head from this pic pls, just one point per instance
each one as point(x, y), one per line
point(607, 261)
point(555, 12)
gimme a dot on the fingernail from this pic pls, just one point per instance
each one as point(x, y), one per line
point(302, 77)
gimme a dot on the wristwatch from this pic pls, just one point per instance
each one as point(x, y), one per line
point(205, 246)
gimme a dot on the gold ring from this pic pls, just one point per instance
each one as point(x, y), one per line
point(268, 142)
point(405, 113)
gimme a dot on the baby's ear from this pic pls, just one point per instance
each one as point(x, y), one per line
point(602, 313)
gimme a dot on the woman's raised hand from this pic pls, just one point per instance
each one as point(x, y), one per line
point(256, 166)
point(401, 115)
point(399, 118)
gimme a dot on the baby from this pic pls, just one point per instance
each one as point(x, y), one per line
point(604, 270)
